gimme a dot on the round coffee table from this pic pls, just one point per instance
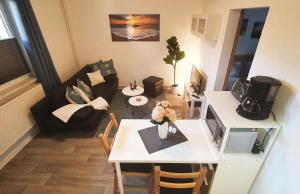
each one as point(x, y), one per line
point(128, 92)
point(138, 105)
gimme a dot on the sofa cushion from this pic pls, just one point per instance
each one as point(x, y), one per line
point(82, 94)
point(94, 66)
point(107, 68)
point(73, 97)
point(84, 87)
point(57, 99)
point(111, 77)
point(95, 78)
point(106, 89)
point(83, 113)
point(90, 123)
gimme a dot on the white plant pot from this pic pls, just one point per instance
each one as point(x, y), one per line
point(163, 130)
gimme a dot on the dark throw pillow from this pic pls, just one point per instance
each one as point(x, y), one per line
point(107, 68)
point(95, 66)
point(73, 97)
point(84, 87)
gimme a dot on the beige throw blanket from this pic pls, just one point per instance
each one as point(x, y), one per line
point(64, 113)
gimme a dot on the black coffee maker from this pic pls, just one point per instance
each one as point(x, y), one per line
point(259, 99)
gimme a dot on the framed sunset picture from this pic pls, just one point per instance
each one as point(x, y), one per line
point(134, 27)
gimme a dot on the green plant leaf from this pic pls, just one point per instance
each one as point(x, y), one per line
point(168, 60)
point(174, 52)
point(180, 55)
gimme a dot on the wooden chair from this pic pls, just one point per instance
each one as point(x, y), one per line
point(179, 183)
point(127, 169)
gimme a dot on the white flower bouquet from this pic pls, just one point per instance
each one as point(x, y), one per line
point(162, 113)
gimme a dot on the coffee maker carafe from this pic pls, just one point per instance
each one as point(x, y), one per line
point(259, 99)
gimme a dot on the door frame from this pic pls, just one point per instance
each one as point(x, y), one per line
point(235, 42)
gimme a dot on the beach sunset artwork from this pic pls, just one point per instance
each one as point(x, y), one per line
point(134, 27)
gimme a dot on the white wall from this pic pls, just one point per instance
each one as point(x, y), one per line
point(90, 29)
point(277, 55)
point(50, 16)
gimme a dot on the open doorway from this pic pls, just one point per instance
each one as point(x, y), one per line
point(250, 26)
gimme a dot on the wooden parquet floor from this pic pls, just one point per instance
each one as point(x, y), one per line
point(64, 166)
point(56, 166)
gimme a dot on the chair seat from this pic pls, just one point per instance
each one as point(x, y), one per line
point(134, 167)
point(176, 168)
point(177, 191)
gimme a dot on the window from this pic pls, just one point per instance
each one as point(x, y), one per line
point(4, 31)
point(12, 61)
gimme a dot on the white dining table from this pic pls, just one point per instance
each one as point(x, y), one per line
point(128, 146)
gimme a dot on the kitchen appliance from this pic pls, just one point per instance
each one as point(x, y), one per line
point(239, 89)
point(240, 140)
point(215, 126)
point(259, 99)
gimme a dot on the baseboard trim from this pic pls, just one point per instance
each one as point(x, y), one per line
point(17, 146)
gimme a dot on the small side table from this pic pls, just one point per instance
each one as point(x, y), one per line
point(138, 105)
point(128, 92)
point(188, 93)
point(153, 86)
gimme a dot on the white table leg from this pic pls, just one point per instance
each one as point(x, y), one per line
point(119, 176)
point(192, 109)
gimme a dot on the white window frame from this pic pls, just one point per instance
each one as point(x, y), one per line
point(18, 83)
point(11, 27)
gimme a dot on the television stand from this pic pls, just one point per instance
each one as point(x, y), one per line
point(194, 99)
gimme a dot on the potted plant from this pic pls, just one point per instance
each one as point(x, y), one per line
point(174, 56)
point(161, 115)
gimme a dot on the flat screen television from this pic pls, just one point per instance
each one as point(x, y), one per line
point(195, 79)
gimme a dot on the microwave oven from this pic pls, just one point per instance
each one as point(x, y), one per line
point(215, 126)
point(239, 140)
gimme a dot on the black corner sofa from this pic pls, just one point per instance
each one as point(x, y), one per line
point(86, 118)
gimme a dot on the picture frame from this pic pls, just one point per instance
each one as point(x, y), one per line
point(135, 27)
point(257, 30)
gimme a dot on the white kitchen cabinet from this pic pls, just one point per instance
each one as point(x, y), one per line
point(206, 26)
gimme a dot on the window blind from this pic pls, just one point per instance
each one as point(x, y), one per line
point(12, 62)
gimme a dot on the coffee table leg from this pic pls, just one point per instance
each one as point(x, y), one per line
point(119, 176)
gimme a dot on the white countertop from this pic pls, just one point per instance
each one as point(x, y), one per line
point(129, 147)
point(225, 105)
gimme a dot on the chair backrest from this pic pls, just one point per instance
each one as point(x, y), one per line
point(198, 178)
point(104, 137)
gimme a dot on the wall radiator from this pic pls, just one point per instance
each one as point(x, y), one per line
point(16, 121)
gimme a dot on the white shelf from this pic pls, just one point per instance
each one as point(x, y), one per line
point(236, 171)
point(225, 105)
